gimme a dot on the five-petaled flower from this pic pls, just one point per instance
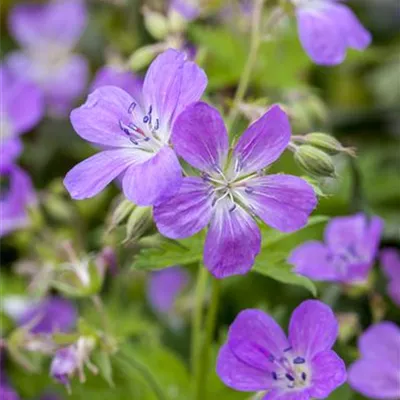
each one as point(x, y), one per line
point(348, 254)
point(377, 373)
point(135, 133)
point(327, 28)
point(258, 356)
point(47, 34)
point(390, 261)
point(231, 190)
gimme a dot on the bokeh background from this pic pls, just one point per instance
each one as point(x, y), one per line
point(358, 102)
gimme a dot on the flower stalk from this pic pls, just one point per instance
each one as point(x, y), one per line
point(255, 42)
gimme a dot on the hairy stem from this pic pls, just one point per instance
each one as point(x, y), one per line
point(251, 61)
point(197, 318)
point(204, 360)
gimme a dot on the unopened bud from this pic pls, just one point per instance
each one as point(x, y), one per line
point(326, 142)
point(142, 57)
point(156, 23)
point(138, 223)
point(314, 161)
point(349, 326)
point(79, 277)
point(121, 212)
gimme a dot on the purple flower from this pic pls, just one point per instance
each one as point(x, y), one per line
point(47, 34)
point(377, 373)
point(64, 364)
point(258, 356)
point(327, 28)
point(53, 314)
point(390, 260)
point(6, 391)
point(126, 80)
point(164, 287)
point(188, 9)
point(135, 134)
point(21, 106)
point(16, 191)
point(231, 190)
point(348, 254)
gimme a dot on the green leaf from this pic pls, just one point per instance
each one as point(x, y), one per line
point(103, 361)
point(169, 252)
point(273, 237)
point(282, 272)
point(276, 248)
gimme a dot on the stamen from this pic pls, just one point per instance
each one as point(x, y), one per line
point(157, 125)
point(290, 377)
point(303, 376)
point(249, 190)
point(232, 208)
point(271, 358)
point(274, 376)
point(131, 108)
point(287, 349)
point(299, 360)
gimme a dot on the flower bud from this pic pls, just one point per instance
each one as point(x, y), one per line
point(79, 277)
point(138, 223)
point(107, 260)
point(155, 23)
point(349, 326)
point(121, 212)
point(142, 57)
point(325, 142)
point(64, 364)
point(71, 359)
point(314, 161)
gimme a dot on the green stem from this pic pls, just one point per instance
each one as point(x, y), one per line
point(204, 360)
point(128, 363)
point(201, 287)
point(251, 61)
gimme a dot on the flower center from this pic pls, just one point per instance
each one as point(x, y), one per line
point(290, 371)
point(144, 134)
point(349, 255)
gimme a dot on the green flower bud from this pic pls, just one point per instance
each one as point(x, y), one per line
point(122, 210)
point(80, 279)
point(325, 142)
point(138, 223)
point(142, 57)
point(314, 161)
point(155, 23)
point(177, 23)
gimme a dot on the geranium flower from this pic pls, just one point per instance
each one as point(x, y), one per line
point(231, 191)
point(390, 260)
point(327, 28)
point(377, 373)
point(47, 34)
point(348, 254)
point(258, 356)
point(135, 134)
